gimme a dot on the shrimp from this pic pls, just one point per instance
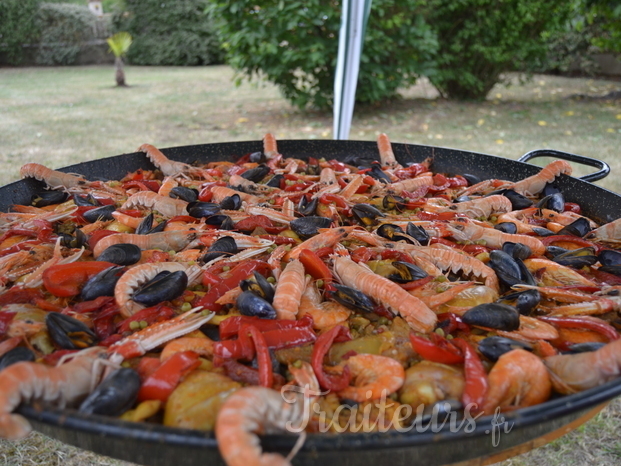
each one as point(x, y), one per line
point(425, 179)
point(269, 213)
point(221, 192)
point(326, 238)
point(167, 166)
point(270, 148)
point(167, 186)
point(520, 218)
point(573, 373)
point(127, 220)
point(600, 306)
point(387, 156)
point(518, 379)
point(608, 233)
point(53, 178)
point(348, 191)
point(483, 207)
point(289, 290)
point(167, 206)
point(203, 346)
point(551, 273)
point(531, 329)
point(413, 310)
point(464, 229)
point(374, 376)
point(174, 240)
point(533, 185)
point(325, 314)
point(242, 184)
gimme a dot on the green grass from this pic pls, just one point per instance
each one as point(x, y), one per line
point(60, 116)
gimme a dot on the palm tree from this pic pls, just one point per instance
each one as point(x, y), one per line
point(119, 44)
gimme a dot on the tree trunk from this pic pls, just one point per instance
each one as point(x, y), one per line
point(120, 74)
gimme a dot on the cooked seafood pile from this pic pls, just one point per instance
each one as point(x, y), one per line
point(232, 296)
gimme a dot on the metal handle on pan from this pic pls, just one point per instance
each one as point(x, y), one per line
point(604, 168)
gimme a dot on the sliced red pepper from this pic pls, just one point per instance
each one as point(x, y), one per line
point(572, 207)
point(111, 340)
point(330, 198)
point(457, 182)
point(184, 219)
point(266, 378)
point(103, 323)
point(250, 223)
point(440, 350)
point(601, 277)
point(94, 305)
point(393, 254)
point(584, 322)
point(323, 344)
point(297, 186)
point(18, 295)
point(230, 327)
point(161, 383)
point(279, 239)
point(449, 322)
point(338, 166)
point(416, 283)
point(422, 215)
point(64, 280)
point(147, 366)
point(323, 252)
point(5, 320)
point(472, 249)
point(314, 266)
point(476, 378)
point(53, 358)
point(274, 339)
point(143, 185)
point(410, 172)
point(150, 315)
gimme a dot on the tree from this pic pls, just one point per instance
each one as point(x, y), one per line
point(119, 45)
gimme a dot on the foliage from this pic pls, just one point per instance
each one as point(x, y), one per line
point(169, 33)
point(120, 43)
point(294, 44)
point(17, 27)
point(607, 15)
point(480, 39)
point(64, 27)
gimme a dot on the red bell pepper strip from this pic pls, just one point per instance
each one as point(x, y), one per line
point(150, 315)
point(331, 382)
point(416, 283)
point(147, 366)
point(250, 223)
point(601, 277)
point(449, 322)
point(18, 295)
point(584, 322)
point(314, 266)
point(230, 327)
point(274, 339)
point(5, 320)
point(572, 207)
point(411, 172)
point(143, 185)
point(161, 383)
point(580, 242)
point(393, 254)
point(244, 374)
point(97, 235)
point(441, 350)
point(103, 323)
point(476, 378)
point(329, 198)
point(93, 305)
point(266, 378)
point(65, 280)
point(422, 215)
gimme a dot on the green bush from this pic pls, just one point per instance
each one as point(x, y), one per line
point(17, 27)
point(481, 39)
point(64, 27)
point(605, 15)
point(169, 33)
point(294, 44)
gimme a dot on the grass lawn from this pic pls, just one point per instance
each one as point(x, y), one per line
point(60, 116)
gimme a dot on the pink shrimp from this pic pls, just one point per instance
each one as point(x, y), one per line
point(483, 207)
point(167, 166)
point(387, 156)
point(425, 179)
point(174, 240)
point(608, 233)
point(326, 238)
point(325, 314)
point(53, 178)
point(200, 345)
point(167, 206)
point(533, 185)
point(374, 376)
point(270, 148)
point(289, 290)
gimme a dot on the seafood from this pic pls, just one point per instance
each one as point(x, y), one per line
point(289, 290)
point(53, 178)
point(374, 376)
point(165, 205)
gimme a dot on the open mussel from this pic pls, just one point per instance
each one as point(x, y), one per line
point(115, 395)
point(611, 261)
point(555, 202)
point(121, 254)
point(393, 233)
point(225, 246)
point(586, 347)
point(393, 202)
point(351, 298)
point(517, 250)
point(306, 227)
point(184, 193)
point(494, 347)
point(257, 157)
point(578, 228)
point(146, 226)
point(201, 209)
point(102, 284)
point(99, 213)
point(506, 227)
point(259, 286)
point(163, 287)
point(406, 272)
point(69, 333)
point(377, 173)
point(524, 301)
point(577, 258)
point(275, 181)
point(77, 240)
point(510, 271)
point(550, 188)
point(19, 354)
point(518, 202)
point(48, 198)
point(85, 201)
point(493, 315)
point(256, 174)
point(233, 202)
point(366, 214)
point(418, 233)
point(306, 207)
point(249, 304)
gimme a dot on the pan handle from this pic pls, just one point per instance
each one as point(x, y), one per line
point(604, 168)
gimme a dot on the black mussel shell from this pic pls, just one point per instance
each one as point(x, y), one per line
point(306, 207)
point(159, 227)
point(493, 315)
point(99, 213)
point(69, 333)
point(550, 188)
point(259, 286)
point(609, 257)
point(184, 193)
point(227, 224)
point(257, 157)
point(553, 251)
point(524, 301)
point(353, 299)
point(517, 250)
point(121, 254)
point(233, 202)
point(77, 241)
point(115, 395)
point(366, 214)
point(377, 173)
point(249, 304)
point(85, 201)
point(393, 202)
point(309, 226)
point(584, 347)
point(525, 274)
point(160, 289)
point(217, 220)
point(201, 209)
point(256, 174)
point(225, 246)
point(577, 258)
point(540, 231)
point(471, 179)
point(360, 160)
point(19, 354)
point(406, 272)
point(48, 198)
point(418, 233)
point(494, 347)
point(578, 228)
point(506, 268)
point(102, 284)
point(462, 199)
point(518, 202)
point(388, 231)
point(555, 202)
point(506, 227)
point(145, 226)
point(612, 269)
point(275, 180)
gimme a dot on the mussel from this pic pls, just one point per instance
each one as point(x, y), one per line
point(553, 251)
point(102, 284)
point(201, 209)
point(217, 220)
point(306, 227)
point(366, 214)
point(115, 395)
point(578, 228)
point(506, 227)
point(257, 157)
point(577, 258)
point(256, 174)
point(48, 198)
point(85, 201)
point(550, 188)
point(227, 224)
point(377, 173)
point(162, 288)
point(99, 213)
point(225, 246)
point(555, 202)
point(306, 207)
point(471, 179)
point(406, 272)
point(540, 231)
point(259, 286)
point(351, 298)
point(275, 181)
point(393, 233)
point(609, 257)
point(524, 301)
point(507, 268)
point(19, 354)
point(418, 233)
point(121, 254)
point(77, 240)
point(67, 332)
point(146, 226)
point(249, 304)
point(233, 202)
point(393, 202)
point(184, 193)
point(494, 347)
point(517, 250)
point(493, 315)
point(518, 202)
point(584, 347)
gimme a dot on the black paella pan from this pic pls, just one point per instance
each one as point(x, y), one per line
point(156, 445)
